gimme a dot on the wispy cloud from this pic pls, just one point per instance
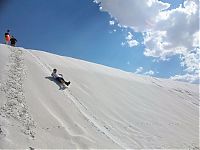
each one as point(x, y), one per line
point(150, 72)
point(139, 70)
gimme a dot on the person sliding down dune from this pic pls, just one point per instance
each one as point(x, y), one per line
point(59, 78)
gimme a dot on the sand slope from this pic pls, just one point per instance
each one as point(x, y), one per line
point(103, 107)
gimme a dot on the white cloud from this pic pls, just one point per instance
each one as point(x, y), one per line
point(95, 1)
point(123, 44)
point(174, 34)
point(130, 41)
point(129, 36)
point(166, 32)
point(112, 31)
point(190, 61)
point(139, 70)
point(137, 14)
point(187, 78)
point(112, 22)
point(150, 72)
point(196, 39)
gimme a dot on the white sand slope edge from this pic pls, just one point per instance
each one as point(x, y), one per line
point(103, 107)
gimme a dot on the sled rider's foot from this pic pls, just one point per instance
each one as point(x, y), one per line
point(67, 83)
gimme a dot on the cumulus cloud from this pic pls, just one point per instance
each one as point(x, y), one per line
point(137, 14)
point(175, 31)
point(130, 41)
point(190, 61)
point(166, 32)
point(186, 77)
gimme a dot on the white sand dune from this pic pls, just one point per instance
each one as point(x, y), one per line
point(102, 108)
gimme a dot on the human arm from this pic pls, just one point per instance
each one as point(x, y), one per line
point(53, 75)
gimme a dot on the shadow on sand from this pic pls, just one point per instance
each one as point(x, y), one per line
point(61, 86)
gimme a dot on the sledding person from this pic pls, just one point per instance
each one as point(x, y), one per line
point(7, 37)
point(13, 41)
point(59, 77)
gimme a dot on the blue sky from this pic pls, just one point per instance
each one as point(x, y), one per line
point(77, 28)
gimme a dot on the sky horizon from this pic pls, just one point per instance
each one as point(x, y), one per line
point(134, 36)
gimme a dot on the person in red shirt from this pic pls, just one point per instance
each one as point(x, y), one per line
point(7, 37)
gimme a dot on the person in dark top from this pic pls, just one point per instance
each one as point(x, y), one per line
point(13, 41)
point(7, 36)
point(59, 78)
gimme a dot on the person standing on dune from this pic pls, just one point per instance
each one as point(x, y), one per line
point(13, 41)
point(7, 37)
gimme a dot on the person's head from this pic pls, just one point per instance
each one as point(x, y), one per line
point(54, 70)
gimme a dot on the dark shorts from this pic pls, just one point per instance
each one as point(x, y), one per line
point(60, 79)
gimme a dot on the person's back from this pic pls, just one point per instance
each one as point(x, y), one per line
point(13, 41)
point(7, 36)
